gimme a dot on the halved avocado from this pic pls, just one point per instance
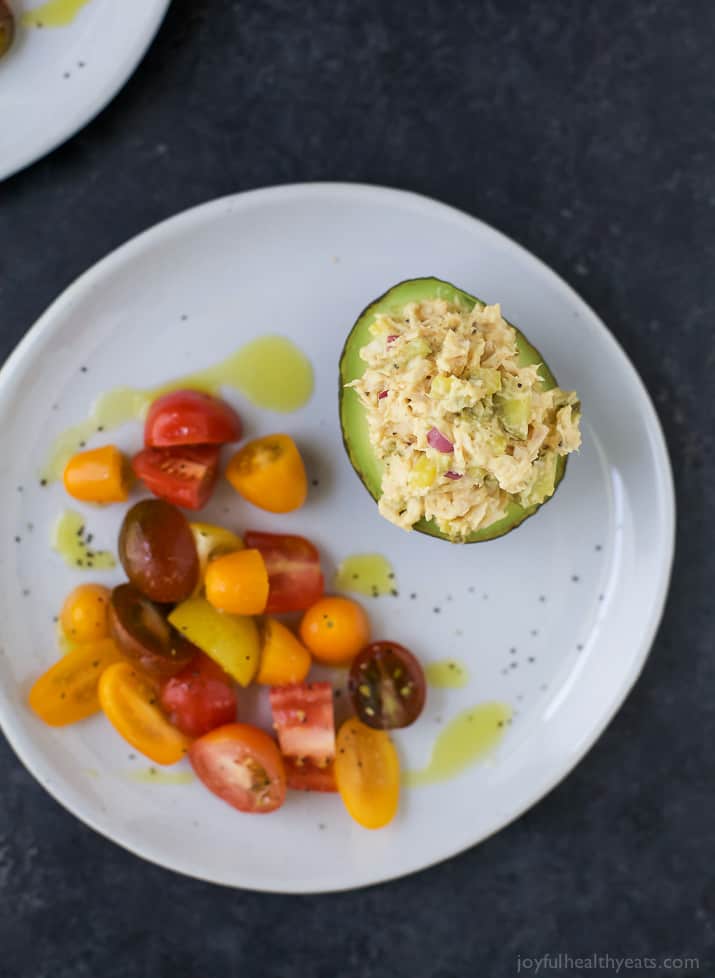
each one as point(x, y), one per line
point(352, 414)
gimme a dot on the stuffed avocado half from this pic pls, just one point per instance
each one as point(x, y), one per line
point(450, 417)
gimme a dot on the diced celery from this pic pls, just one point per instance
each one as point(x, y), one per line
point(514, 413)
point(423, 473)
point(544, 482)
point(489, 378)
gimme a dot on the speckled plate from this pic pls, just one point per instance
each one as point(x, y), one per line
point(555, 620)
point(68, 60)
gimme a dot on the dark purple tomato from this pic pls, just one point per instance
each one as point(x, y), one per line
point(142, 632)
point(387, 686)
point(157, 551)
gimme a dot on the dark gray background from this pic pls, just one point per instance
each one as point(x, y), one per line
point(583, 130)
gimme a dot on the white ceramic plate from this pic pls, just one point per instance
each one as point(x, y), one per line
point(577, 591)
point(56, 78)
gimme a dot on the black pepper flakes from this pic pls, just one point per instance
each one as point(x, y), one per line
point(413, 596)
point(315, 483)
point(575, 578)
point(43, 482)
point(83, 369)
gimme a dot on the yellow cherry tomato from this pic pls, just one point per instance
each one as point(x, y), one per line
point(335, 629)
point(99, 475)
point(238, 583)
point(269, 473)
point(230, 640)
point(283, 659)
point(67, 692)
point(84, 614)
point(367, 773)
point(212, 541)
point(131, 702)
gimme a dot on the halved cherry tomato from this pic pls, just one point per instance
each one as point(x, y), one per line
point(130, 702)
point(387, 686)
point(335, 629)
point(238, 583)
point(308, 776)
point(184, 476)
point(367, 773)
point(84, 614)
point(142, 632)
point(157, 551)
point(200, 698)
point(67, 692)
point(243, 766)
point(188, 417)
point(99, 475)
point(213, 541)
point(294, 576)
point(230, 640)
point(269, 473)
point(304, 720)
point(283, 659)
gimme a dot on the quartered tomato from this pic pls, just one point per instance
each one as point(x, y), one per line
point(387, 686)
point(67, 692)
point(157, 551)
point(242, 765)
point(188, 417)
point(335, 629)
point(184, 476)
point(142, 632)
point(308, 776)
point(269, 473)
point(294, 575)
point(130, 701)
point(200, 698)
point(304, 721)
point(367, 773)
point(283, 659)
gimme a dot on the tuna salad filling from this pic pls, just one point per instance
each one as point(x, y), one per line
point(460, 428)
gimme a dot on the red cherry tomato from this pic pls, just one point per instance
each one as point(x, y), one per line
point(387, 686)
point(242, 765)
point(190, 418)
point(184, 476)
point(307, 776)
point(304, 721)
point(200, 698)
point(295, 580)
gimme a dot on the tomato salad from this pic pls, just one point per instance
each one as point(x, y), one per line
point(164, 654)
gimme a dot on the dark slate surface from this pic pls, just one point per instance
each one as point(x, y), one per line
point(585, 131)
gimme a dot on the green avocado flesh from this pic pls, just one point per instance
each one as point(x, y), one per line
point(352, 415)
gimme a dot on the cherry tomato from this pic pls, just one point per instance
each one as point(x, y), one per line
point(142, 632)
point(269, 473)
point(242, 765)
point(230, 640)
point(130, 702)
point(67, 692)
point(200, 698)
point(238, 583)
point(157, 551)
point(304, 720)
point(308, 776)
point(84, 614)
point(213, 541)
point(189, 417)
point(99, 475)
point(294, 576)
point(367, 773)
point(387, 686)
point(335, 629)
point(283, 659)
point(184, 476)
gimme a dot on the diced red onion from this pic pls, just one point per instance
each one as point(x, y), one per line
point(437, 441)
point(453, 475)
point(391, 339)
point(381, 395)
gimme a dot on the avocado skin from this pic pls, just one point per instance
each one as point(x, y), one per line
point(354, 434)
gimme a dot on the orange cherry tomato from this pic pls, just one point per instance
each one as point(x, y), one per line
point(269, 473)
point(238, 583)
point(367, 773)
point(283, 659)
point(335, 629)
point(67, 692)
point(84, 614)
point(100, 475)
point(131, 702)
